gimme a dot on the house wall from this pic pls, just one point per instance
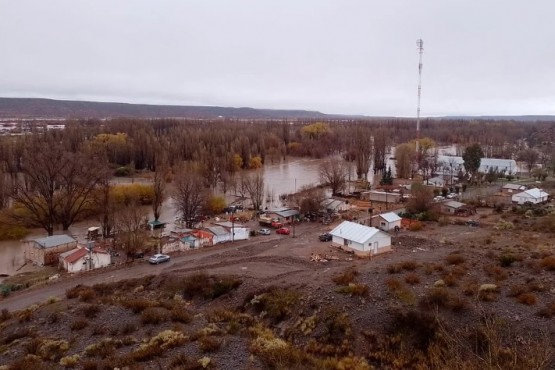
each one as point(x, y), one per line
point(521, 199)
point(449, 210)
point(241, 234)
point(82, 264)
point(366, 249)
point(388, 226)
point(221, 238)
point(379, 197)
point(173, 246)
point(45, 256)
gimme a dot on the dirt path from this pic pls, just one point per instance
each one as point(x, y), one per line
point(208, 258)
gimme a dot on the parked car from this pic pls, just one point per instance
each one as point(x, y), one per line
point(264, 232)
point(159, 258)
point(472, 223)
point(283, 231)
point(325, 237)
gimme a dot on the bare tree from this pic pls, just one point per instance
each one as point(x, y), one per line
point(404, 156)
point(43, 162)
point(159, 185)
point(333, 174)
point(362, 150)
point(79, 179)
point(190, 193)
point(308, 199)
point(254, 187)
point(530, 157)
point(131, 233)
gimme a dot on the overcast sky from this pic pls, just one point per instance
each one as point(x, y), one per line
point(353, 57)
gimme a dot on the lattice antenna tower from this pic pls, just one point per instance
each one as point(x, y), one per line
point(420, 46)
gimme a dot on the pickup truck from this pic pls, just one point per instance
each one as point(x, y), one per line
point(269, 221)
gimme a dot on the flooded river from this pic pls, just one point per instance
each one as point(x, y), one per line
point(283, 178)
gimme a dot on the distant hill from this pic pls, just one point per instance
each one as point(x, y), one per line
point(49, 108)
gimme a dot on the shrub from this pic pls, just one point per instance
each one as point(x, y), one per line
point(548, 311)
point(209, 343)
point(91, 310)
point(84, 293)
point(69, 361)
point(394, 268)
point(180, 314)
point(155, 315)
point(516, 290)
point(5, 315)
point(138, 305)
point(276, 302)
point(454, 259)
point(506, 260)
point(127, 328)
point(53, 350)
point(203, 285)
point(496, 272)
point(78, 324)
point(450, 280)
point(412, 279)
point(548, 263)
point(346, 278)
point(418, 326)
point(436, 297)
point(416, 225)
point(409, 265)
point(354, 289)
point(158, 344)
point(99, 329)
point(528, 299)
point(25, 315)
point(103, 348)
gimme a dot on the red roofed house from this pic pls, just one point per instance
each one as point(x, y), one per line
point(205, 238)
point(79, 259)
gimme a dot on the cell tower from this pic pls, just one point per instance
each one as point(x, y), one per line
point(420, 45)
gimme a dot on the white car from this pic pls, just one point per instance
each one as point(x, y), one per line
point(264, 232)
point(159, 258)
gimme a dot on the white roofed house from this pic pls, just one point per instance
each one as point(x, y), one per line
point(221, 235)
point(334, 205)
point(386, 221)
point(240, 232)
point(534, 196)
point(362, 240)
point(513, 188)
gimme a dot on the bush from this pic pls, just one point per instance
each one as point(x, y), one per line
point(435, 298)
point(209, 343)
point(84, 293)
point(79, 324)
point(548, 263)
point(454, 259)
point(416, 225)
point(409, 265)
point(354, 289)
point(5, 315)
point(209, 287)
point(70, 361)
point(53, 350)
point(180, 314)
point(278, 303)
point(548, 311)
point(138, 305)
point(154, 315)
point(506, 260)
point(412, 279)
point(103, 348)
point(394, 268)
point(346, 278)
point(527, 298)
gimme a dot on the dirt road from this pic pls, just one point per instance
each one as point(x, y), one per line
point(207, 259)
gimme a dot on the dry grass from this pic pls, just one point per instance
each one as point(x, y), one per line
point(548, 311)
point(347, 277)
point(209, 343)
point(412, 278)
point(455, 259)
point(354, 289)
point(155, 315)
point(78, 324)
point(548, 263)
point(528, 299)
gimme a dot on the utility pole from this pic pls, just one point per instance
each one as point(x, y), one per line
point(420, 46)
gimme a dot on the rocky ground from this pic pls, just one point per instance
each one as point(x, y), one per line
point(447, 297)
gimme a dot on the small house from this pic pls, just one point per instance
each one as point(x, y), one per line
point(45, 251)
point(513, 188)
point(205, 238)
point(381, 196)
point(331, 205)
point(360, 239)
point(190, 242)
point(220, 234)
point(236, 231)
point(437, 182)
point(386, 221)
point(455, 208)
point(80, 259)
point(534, 196)
point(285, 215)
point(169, 244)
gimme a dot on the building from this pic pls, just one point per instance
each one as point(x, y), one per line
point(381, 196)
point(437, 182)
point(221, 235)
point(534, 196)
point(240, 232)
point(455, 208)
point(452, 165)
point(386, 221)
point(45, 251)
point(331, 205)
point(285, 215)
point(79, 259)
point(205, 238)
point(362, 240)
point(513, 188)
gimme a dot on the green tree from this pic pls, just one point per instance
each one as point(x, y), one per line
point(472, 157)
